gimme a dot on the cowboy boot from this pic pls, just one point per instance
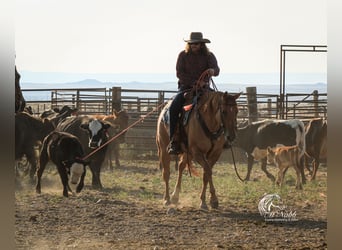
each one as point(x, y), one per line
point(174, 147)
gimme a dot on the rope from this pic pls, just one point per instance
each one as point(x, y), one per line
point(202, 78)
point(231, 148)
point(123, 131)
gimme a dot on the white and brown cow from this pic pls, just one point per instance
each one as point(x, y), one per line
point(256, 137)
point(119, 122)
point(66, 152)
point(285, 157)
point(92, 134)
point(316, 143)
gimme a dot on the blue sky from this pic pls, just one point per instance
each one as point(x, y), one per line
point(145, 36)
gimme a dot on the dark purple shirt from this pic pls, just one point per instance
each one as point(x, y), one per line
point(190, 66)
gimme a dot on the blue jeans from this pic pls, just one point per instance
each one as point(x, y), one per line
point(175, 109)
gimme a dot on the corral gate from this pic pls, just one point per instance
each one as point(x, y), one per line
point(283, 50)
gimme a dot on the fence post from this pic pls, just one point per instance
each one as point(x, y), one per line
point(73, 100)
point(78, 99)
point(116, 98)
point(138, 105)
point(269, 107)
point(161, 96)
point(315, 99)
point(252, 104)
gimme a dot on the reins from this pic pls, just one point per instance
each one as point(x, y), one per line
point(123, 131)
point(206, 130)
point(235, 168)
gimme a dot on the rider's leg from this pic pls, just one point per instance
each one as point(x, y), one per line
point(174, 110)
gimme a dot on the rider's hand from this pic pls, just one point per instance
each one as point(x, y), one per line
point(211, 72)
point(202, 84)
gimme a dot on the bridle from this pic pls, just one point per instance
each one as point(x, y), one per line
point(222, 129)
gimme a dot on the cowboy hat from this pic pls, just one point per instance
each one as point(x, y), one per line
point(197, 37)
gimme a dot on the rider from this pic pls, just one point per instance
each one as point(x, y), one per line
point(191, 63)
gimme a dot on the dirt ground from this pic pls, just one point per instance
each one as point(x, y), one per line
point(107, 220)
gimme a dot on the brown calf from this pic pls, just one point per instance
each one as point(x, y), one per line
point(283, 158)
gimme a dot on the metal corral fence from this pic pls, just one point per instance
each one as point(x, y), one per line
point(140, 140)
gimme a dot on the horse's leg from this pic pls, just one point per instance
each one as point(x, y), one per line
point(206, 176)
point(207, 171)
point(181, 167)
point(165, 164)
point(213, 198)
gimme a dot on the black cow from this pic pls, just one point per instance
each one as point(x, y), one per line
point(316, 143)
point(66, 152)
point(29, 131)
point(92, 133)
point(65, 111)
point(20, 102)
point(256, 137)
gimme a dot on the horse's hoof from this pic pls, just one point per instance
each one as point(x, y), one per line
point(214, 204)
point(204, 207)
point(174, 200)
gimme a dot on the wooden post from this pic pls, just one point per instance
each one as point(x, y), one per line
point(73, 100)
point(116, 98)
point(315, 99)
point(161, 96)
point(78, 106)
point(269, 107)
point(252, 104)
point(138, 105)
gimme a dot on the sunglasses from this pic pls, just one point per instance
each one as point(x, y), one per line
point(194, 44)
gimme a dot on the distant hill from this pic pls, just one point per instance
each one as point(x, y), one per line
point(172, 86)
point(93, 83)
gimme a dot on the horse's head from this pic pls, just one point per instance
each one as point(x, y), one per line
point(229, 111)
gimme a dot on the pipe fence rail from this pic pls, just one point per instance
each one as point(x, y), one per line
point(140, 140)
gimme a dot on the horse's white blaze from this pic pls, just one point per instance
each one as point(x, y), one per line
point(76, 172)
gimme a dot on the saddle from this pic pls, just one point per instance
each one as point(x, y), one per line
point(191, 100)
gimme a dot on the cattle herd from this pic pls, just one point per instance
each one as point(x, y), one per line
point(74, 142)
point(66, 139)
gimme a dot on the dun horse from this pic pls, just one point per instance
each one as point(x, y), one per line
point(211, 124)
